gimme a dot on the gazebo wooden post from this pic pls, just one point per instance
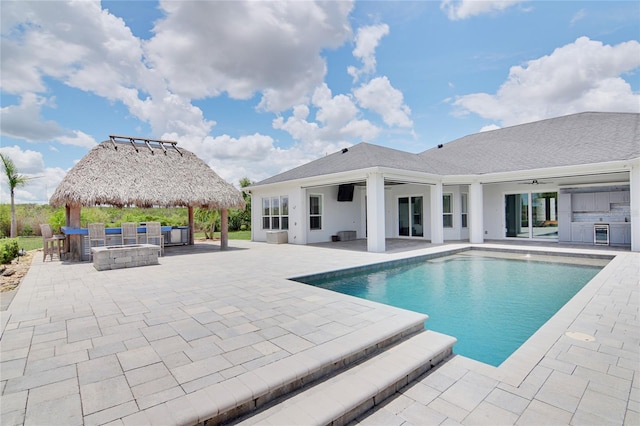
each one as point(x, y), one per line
point(75, 240)
point(191, 223)
point(224, 229)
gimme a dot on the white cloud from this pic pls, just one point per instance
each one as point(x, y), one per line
point(582, 76)
point(253, 156)
point(76, 43)
point(24, 121)
point(337, 123)
point(43, 181)
point(489, 127)
point(580, 15)
point(27, 162)
point(199, 50)
point(380, 96)
point(242, 48)
point(367, 40)
point(77, 138)
point(463, 9)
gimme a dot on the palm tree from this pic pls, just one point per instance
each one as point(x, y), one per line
point(15, 180)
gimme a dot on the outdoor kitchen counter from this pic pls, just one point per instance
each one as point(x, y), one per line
point(173, 235)
point(84, 231)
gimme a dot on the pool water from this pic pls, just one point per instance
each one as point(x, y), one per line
point(492, 303)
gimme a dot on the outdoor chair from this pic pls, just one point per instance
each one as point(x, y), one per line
point(51, 243)
point(154, 235)
point(97, 236)
point(129, 233)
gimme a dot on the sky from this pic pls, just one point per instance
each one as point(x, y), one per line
point(256, 88)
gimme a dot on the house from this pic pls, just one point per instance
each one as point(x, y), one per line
point(571, 179)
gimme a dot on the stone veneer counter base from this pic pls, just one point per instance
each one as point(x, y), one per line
point(126, 256)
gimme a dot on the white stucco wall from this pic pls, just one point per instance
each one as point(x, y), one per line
point(392, 194)
point(336, 216)
point(457, 232)
point(296, 221)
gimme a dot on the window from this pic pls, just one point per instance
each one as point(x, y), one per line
point(275, 213)
point(284, 212)
point(266, 213)
point(464, 206)
point(447, 210)
point(315, 212)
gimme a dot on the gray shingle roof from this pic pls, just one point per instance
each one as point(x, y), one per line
point(360, 156)
point(584, 138)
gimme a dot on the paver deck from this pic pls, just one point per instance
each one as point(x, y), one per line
point(172, 343)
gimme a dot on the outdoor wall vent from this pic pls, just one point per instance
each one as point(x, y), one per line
point(345, 150)
point(440, 146)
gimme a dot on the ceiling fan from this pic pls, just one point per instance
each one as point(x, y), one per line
point(534, 182)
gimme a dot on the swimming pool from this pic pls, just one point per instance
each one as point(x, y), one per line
point(492, 302)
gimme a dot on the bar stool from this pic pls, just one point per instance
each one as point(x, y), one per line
point(51, 243)
point(129, 232)
point(154, 233)
point(96, 235)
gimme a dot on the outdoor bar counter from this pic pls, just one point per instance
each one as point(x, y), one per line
point(173, 235)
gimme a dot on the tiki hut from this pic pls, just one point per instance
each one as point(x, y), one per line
point(141, 172)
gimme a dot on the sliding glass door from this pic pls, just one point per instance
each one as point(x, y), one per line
point(531, 215)
point(517, 215)
point(544, 211)
point(410, 217)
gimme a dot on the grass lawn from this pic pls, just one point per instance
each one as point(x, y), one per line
point(233, 235)
point(30, 243)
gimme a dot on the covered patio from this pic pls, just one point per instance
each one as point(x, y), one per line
point(141, 172)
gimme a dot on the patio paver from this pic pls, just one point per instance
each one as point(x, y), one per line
point(174, 342)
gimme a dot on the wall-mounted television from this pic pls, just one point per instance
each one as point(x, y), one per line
point(345, 192)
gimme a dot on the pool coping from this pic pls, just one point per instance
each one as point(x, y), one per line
point(519, 364)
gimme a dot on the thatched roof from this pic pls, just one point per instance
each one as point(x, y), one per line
point(144, 174)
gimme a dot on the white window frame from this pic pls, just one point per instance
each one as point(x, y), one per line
point(313, 215)
point(266, 212)
point(272, 216)
point(284, 216)
point(449, 213)
point(464, 210)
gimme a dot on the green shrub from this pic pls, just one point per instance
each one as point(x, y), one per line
point(27, 230)
point(5, 220)
point(8, 249)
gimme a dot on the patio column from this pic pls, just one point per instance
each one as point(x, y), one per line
point(437, 231)
point(634, 187)
point(299, 216)
point(191, 225)
point(476, 219)
point(375, 213)
point(224, 229)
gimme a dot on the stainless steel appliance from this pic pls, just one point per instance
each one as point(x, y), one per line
point(601, 234)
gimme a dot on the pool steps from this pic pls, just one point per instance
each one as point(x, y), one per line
point(229, 400)
point(386, 356)
point(252, 391)
point(344, 397)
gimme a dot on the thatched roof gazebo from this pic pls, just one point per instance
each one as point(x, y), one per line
point(142, 172)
